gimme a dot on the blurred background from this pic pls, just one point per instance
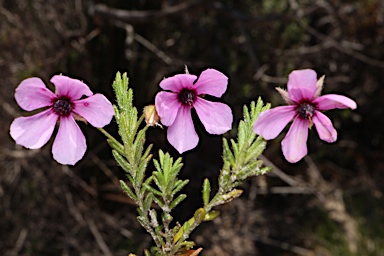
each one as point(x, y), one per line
point(330, 203)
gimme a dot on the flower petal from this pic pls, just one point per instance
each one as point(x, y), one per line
point(69, 87)
point(69, 146)
point(178, 82)
point(216, 117)
point(34, 131)
point(271, 122)
point(302, 84)
point(211, 82)
point(97, 110)
point(324, 127)
point(294, 145)
point(32, 94)
point(167, 106)
point(332, 101)
point(181, 134)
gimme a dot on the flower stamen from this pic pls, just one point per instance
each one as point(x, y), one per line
point(306, 110)
point(62, 106)
point(187, 97)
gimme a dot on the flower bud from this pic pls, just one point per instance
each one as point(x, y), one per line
point(151, 116)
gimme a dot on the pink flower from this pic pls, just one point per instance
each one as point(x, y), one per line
point(174, 108)
point(64, 106)
point(305, 104)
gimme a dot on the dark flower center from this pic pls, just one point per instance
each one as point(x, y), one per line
point(306, 110)
point(187, 96)
point(62, 106)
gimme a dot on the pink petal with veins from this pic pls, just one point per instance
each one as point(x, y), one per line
point(32, 94)
point(181, 134)
point(178, 82)
point(271, 122)
point(302, 84)
point(70, 87)
point(97, 110)
point(69, 145)
point(324, 127)
point(216, 117)
point(294, 145)
point(167, 106)
point(332, 101)
point(211, 82)
point(34, 131)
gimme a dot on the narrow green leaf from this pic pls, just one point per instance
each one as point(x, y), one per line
point(223, 199)
point(235, 148)
point(178, 164)
point(130, 178)
point(178, 200)
point(140, 173)
point(148, 201)
point(199, 215)
point(241, 137)
point(227, 153)
point(159, 181)
point(178, 235)
point(148, 180)
point(211, 215)
point(138, 145)
point(251, 169)
point(122, 162)
point(146, 183)
point(117, 86)
point(265, 170)
point(124, 133)
point(154, 191)
point(161, 157)
point(255, 149)
point(258, 108)
point(179, 186)
point(116, 146)
point(206, 192)
point(157, 165)
point(247, 117)
point(147, 152)
point(224, 176)
point(128, 191)
point(113, 142)
point(158, 202)
point(117, 114)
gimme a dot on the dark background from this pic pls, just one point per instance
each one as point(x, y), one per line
point(330, 203)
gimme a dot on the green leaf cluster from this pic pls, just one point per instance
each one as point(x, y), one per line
point(166, 186)
point(240, 158)
point(167, 182)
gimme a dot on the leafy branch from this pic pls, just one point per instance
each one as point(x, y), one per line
point(168, 185)
point(134, 158)
point(240, 163)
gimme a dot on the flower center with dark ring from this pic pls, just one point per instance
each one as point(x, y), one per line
point(62, 106)
point(306, 110)
point(187, 96)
